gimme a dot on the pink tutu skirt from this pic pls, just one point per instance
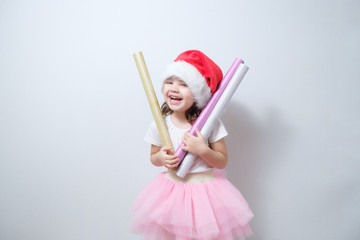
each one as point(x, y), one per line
point(167, 209)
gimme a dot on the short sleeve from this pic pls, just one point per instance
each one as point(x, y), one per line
point(152, 136)
point(218, 132)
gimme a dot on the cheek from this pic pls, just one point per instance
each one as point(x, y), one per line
point(189, 94)
point(164, 90)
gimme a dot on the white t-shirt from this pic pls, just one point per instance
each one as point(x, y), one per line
point(152, 136)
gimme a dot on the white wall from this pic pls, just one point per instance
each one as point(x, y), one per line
point(73, 112)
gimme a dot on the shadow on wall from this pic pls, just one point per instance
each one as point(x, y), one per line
point(255, 147)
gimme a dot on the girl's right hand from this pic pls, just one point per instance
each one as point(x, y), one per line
point(160, 157)
point(168, 161)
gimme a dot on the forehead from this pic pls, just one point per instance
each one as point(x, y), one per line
point(174, 78)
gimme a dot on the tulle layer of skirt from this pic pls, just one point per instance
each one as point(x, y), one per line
point(212, 210)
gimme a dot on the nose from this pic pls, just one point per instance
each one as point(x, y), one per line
point(174, 88)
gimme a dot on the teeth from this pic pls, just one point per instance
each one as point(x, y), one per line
point(175, 98)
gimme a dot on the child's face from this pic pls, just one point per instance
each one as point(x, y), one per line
point(177, 95)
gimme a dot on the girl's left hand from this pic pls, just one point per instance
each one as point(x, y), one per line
point(194, 144)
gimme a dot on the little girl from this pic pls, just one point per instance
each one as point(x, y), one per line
point(204, 205)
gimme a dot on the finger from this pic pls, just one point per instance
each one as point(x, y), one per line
point(198, 133)
point(175, 163)
point(187, 134)
point(171, 157)
point(190, 136)
point(169, 166)
point(172, 162)
point(185, 148)
point(172, 166)
point(166, 148)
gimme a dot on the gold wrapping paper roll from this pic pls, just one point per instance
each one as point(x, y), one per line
point(154, 104)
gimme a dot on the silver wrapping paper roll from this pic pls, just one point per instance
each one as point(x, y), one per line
point(214, 116)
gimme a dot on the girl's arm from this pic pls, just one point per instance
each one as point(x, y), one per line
point(215, 155)
point(159, 157)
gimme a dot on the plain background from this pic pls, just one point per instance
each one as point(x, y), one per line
point(73, 112)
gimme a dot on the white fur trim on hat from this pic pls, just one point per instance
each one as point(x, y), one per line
point(192, 77)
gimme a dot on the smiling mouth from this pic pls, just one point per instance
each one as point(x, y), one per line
point(174, 100)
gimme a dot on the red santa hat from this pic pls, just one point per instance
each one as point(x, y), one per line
point(199, 72)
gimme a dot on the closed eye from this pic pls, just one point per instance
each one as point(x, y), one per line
point(182, 83)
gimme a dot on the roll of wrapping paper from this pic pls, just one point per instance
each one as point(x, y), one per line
point(154, 104)
point(214, 116)
point(200, 121)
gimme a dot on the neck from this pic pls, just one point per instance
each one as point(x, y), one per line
point(179, 120)
point(179, 116)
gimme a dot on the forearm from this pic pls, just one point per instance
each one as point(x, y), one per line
point(214, 158)
point(155, 159)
